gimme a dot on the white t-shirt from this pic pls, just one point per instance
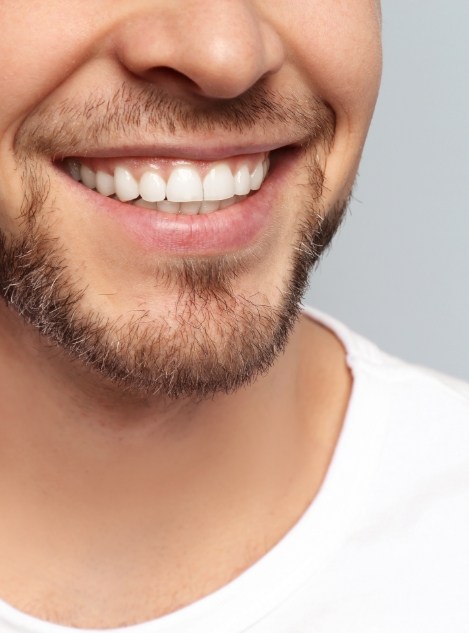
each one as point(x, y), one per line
point(383, 548)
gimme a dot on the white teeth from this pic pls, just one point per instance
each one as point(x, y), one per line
point(257, 177)
point(184, 185)
point(208, 206)
point(143, 203)
point(185, 192)
point(126, 185)
point(219, 183)
point(105, 183)
point(242, 181)
point(152, 187)
point(228, 202)
point(190, 208)
point(168, 207)
point(88, 177)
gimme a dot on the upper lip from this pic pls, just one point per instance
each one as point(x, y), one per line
point(191, 151)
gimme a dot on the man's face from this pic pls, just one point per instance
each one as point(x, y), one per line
point(187, 101)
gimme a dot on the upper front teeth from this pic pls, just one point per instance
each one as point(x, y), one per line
point(219, 183)
point(184, 184)
point(152, 187)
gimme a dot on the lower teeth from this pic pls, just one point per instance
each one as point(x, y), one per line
point(186, 208)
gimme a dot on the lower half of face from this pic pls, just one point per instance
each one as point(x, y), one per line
point(167, 303)
point(180, 271)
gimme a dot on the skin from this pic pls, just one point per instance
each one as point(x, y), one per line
point(106, 490)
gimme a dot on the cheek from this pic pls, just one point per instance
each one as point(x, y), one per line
point(38, 50)
point(337, 45)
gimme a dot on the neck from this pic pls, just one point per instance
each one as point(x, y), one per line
point(116, 489)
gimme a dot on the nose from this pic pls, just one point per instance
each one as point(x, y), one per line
point(212, 48)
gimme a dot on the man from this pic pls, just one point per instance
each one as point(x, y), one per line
point(183, 448)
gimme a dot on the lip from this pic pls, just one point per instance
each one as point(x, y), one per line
point(222, 232)
point(194, 152)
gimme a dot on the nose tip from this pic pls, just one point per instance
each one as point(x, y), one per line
point(211, 48)
point(229, 61)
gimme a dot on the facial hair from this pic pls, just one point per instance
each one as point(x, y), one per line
point(218, 339)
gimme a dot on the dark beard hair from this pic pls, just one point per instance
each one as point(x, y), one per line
point(217, 340)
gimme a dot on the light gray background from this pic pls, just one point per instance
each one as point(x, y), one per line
point(398, 271)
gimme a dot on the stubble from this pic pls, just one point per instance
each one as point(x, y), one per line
point(216, 339)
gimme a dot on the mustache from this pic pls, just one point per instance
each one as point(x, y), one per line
point(134, 114)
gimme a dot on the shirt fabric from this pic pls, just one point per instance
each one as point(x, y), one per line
point(383, 548)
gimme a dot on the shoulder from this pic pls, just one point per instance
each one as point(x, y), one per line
point(420, 393)
point(410, 390)
point(421, 420)
point(404, 464)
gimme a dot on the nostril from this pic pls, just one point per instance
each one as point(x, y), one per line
point(167, 76)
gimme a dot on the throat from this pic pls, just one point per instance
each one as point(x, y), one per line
point(132, 529)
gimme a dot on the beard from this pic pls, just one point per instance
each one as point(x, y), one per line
point(215, 339)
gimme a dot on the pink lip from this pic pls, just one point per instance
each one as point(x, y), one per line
point(202, 151)
point(224, 231)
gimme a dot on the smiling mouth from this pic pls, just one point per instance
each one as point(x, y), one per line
point(172, 186)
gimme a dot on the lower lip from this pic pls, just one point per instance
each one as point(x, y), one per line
point(230, 229)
